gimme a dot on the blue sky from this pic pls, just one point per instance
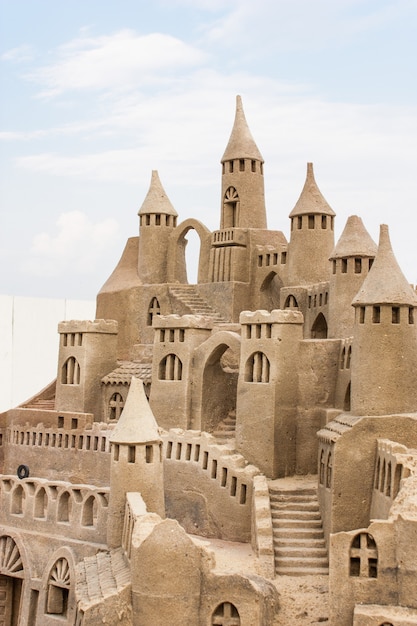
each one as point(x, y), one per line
point(97, 93)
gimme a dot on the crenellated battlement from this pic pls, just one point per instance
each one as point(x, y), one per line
point(88, 326)
point(224, 476)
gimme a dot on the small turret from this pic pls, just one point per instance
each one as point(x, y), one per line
point(157, 218)
point(384, 353)
point(351, 261)
point(243, 196)
point(136, 461)
point(312, 235)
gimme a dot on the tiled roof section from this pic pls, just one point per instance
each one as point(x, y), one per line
point(123, 374)
point(337, 427)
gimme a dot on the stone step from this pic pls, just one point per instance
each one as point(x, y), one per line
point(290, 523)
point(297, 562)
point(298, 533)
point(305, 543)
point(295, 514)
point(292, 551)
point(300, 571)
point(311, 505)
point(295, 496)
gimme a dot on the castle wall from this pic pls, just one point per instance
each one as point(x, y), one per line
point(317, 372)
point(267, 390)
point(208, 489)
point(346, 501)
point(79, 455)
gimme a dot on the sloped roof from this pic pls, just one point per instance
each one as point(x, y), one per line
point(354, 241)
point(126, 369)
point(311, 199)
point(137, 423)
point(385, 283)
point(156, 200)
point(241, 143)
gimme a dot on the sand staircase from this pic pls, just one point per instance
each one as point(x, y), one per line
point(299, 545)
point(226, 429)
point(100, 576)
point(191, 300)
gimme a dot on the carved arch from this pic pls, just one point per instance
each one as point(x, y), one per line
point(209, 370)
point(176, 270)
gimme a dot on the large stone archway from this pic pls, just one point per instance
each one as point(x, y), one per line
point(269, 294)
point(216, 364)
point(177, 270)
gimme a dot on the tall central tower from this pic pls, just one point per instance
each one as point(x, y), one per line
point(243, 196)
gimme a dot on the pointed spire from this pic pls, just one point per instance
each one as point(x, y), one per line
point(311, 199)
point(354, 241)
point(137, 423)
point(241, 143)
point(156, 200)
point(385, 283)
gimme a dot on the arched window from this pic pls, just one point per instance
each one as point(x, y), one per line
point(231, 208)
point(226, 614)
point(153, 309)
point(329, 470)
point(71, 372)
point(89, 512)
point(170, 368)
point(291, 302)
point(257, 368)
point(346, 402)
point(41, 503)
point(10, 559)
point(349, 357)
point(18, 500)
point(322, 468)
point(116, 404)
point(363, 556)
point(59, 584)
point(64, 507)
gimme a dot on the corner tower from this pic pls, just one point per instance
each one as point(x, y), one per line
point(136, 461)
point(351, 261)
point(384, 351)
point(157, 220)
point(243, 195)
point(312, 235)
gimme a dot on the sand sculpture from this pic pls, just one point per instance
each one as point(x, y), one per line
point(203, 444)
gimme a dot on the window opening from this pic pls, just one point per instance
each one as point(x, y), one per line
point(364, 556)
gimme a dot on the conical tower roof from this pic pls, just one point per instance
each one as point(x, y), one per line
point(311, 199)
point(241, 143)
point(156, 200)
point(137, 423)
point(385, 283)
point(354, 241)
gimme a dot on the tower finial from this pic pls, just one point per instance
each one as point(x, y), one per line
point(241, 144)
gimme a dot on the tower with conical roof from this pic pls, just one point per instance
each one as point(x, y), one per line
point(157, 219)
point(351, 261)
point(384, 354)
point(243, 195)
point(312, 235)
point(136, 461)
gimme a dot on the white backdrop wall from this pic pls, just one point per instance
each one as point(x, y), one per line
point(29, 343)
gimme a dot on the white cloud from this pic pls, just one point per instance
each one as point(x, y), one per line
point(76, 246)
point(19, 54)
point(117, 61)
